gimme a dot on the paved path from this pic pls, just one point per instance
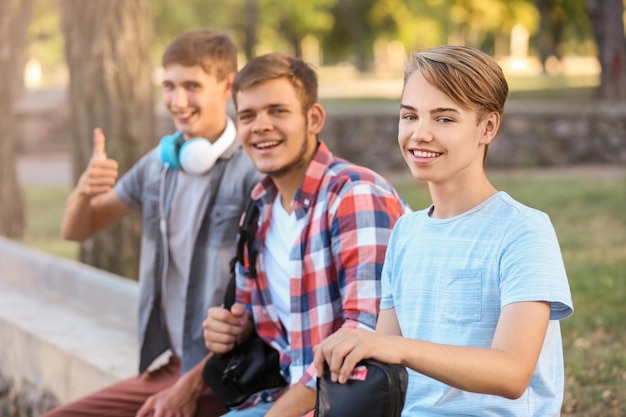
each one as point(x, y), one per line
point(49, 169)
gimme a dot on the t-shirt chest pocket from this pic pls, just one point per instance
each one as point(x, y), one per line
point(460, 295)
point(224, 222)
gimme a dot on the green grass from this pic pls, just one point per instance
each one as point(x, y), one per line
point(589, 215)
point(552, 87)
point(44, 210)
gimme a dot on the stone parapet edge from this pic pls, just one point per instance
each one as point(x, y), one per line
point(65, 328)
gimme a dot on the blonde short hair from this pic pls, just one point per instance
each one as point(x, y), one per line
point(471, 78)
point(214, 52)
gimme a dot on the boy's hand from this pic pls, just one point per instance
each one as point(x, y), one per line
point(223, 329)
point(101, 172)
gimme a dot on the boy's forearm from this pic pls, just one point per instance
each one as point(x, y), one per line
point(296, 402)
point(76, 222)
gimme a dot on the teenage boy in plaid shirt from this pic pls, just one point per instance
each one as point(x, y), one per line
point(323, 231)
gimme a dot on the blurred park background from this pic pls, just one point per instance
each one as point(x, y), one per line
point(70, 65)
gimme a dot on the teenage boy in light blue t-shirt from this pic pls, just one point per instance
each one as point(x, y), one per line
point(474, 286)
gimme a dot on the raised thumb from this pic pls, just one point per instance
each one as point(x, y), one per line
point(99, 144)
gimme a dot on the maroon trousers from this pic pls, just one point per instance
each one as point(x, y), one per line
point(125, 398)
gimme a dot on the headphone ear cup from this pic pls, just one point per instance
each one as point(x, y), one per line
point(169, 148)
point(197, 156)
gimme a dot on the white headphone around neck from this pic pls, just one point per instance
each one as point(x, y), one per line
point(197, 155)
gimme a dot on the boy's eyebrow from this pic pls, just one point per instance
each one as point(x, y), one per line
point(444, 110)
point(433, 111)
point(183, 82)
point(269, 106)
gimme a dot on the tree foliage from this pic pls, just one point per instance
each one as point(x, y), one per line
point(353, 35)
point(349, 29)
point(563, 25)
point(295, 19)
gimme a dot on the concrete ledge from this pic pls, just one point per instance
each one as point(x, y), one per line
point(65, 328)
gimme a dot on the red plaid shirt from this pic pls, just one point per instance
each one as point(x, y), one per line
point(347, 213)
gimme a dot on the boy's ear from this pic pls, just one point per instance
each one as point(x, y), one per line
point(228, 85)
point(491, 125)
point(317, 118)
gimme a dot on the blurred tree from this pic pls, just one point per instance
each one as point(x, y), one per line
point(242, 18)
point(354, 32)
point(279, 23)
point(561, 22)
point(238, 18)
point(483, 24)
point(15, 17)
point(479, 23)
point(172, 17)
point(250, 27)
point(417, 24)
point(552, 19)
point(294, 19)
point(607, 20)
point(107, 47)
point(45, 37)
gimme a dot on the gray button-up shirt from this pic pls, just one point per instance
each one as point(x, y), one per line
point(148, 186)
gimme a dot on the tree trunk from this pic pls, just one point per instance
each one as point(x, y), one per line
point(251, 23)
point(545, 42)
point(107, 48)
point(608, 28)
point(15, 17)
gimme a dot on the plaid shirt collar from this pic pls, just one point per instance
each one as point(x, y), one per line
point(308, 191)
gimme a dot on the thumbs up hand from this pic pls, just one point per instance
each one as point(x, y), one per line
point(99, 141)
point(101, 172)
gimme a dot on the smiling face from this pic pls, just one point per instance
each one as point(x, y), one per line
point(441, 141)
point(278, 135)
point(197, 101)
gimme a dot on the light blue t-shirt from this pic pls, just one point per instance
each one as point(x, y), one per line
point(448, 280)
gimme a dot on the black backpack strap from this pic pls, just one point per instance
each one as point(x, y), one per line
point(245, 238)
